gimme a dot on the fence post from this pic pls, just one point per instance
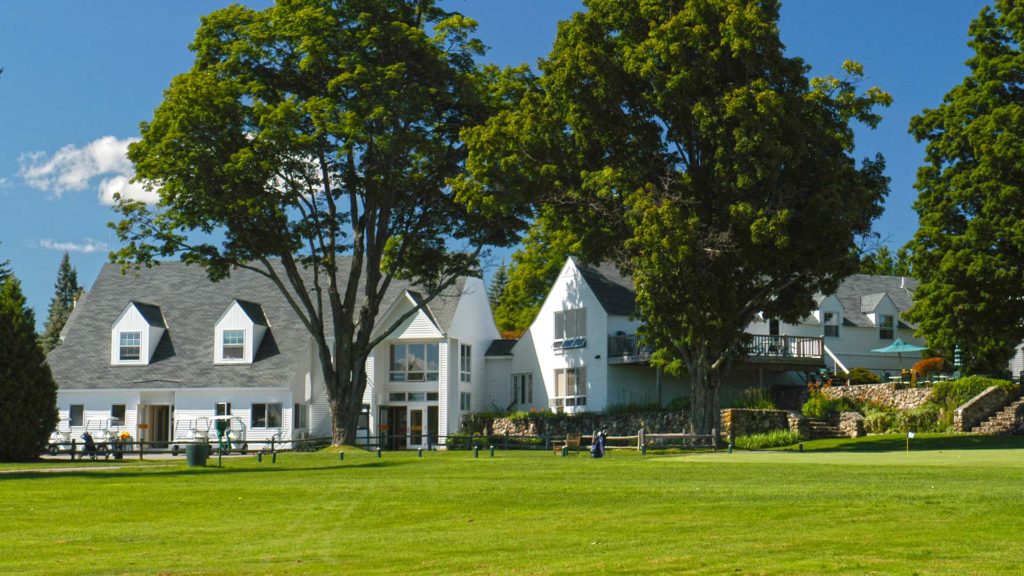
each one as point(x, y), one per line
point(714, 439)
point(732, 438)
point(141, 447)
point(506, 441)
point(640, 440)
point(74, 447)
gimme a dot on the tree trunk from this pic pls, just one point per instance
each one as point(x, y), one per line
point(705, 381)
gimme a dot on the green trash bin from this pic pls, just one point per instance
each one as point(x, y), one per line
point(197, 454)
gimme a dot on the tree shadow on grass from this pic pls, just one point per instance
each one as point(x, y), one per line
point(898, 443)
point(104, 473)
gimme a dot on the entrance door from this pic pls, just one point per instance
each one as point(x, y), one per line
point(157, 418)
point(432, 425)
point(415, 428)
point(397, 428)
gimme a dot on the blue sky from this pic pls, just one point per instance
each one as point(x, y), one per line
point(80, 76)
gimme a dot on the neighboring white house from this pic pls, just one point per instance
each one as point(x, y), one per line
point(581, 352)
point(164, 351)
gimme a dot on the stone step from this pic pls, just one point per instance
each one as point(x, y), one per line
point(1006, 421)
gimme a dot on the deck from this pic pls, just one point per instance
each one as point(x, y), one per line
point(778, 351)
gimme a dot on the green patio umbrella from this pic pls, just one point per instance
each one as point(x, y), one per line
point(899, 347)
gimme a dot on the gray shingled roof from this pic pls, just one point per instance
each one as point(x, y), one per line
point(613, 289)
point(190, 306)
point(860, 293)
point(151, 314)
point(254, 311)
point(500, 348)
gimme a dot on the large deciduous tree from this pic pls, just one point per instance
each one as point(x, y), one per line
point(677, 139)
point(66, 291)
point(312, 130)
point(968, 252)
point(28, 394)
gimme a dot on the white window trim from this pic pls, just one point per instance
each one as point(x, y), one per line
point(121, 346)
point(882, 327)
point(266, 415)
point(428, 375)
point(465, 363)
point(577, 400)
point(224, 345)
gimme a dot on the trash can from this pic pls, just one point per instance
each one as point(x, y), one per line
point(196, 454)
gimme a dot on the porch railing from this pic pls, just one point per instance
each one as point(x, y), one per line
point(782, 347)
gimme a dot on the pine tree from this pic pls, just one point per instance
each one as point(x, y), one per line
point(63, 302)
point(498, 284)
point(5, 270)
point(28, 394)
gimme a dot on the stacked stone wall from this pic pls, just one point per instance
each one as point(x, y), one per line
point(977, 409)
point(887, 395)
point(586, 423)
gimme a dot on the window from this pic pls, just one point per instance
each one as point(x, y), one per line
point(364, 418)
point(417, 396)
point(464, 401)
point(117, 412)
point(773, 327)
point(831, 322)
point(570, 387)
point(465, 363)
point(266, 415)
point(570, 328)
point(431, 396)
point(222, 409)
point(234, 345)
point(76, 415)
point(131, 346)
point(886, 327)
point(522, 388)
point(414, 362)
point(300, 416)
point(396, 397)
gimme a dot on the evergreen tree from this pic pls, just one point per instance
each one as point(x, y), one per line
point(63, 302)
point(5, 270)
point(498, 284)
point(968, 251)
point(28, 394)
point(882, 262)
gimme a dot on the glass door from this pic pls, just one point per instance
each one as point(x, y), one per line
point(415, 428)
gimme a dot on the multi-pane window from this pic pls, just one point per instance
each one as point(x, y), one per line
point(300, 416)
point(886, 327)
point(223, 409)
point(131, 346)
point(76, 415)
point(117, 413)
point(464, 400)
point(414, 362)
point(570, 328)
point(522, 388)
point(831, 323)
point(266, 415)
point(233, 345)
point(570, 387)
point(465, 363)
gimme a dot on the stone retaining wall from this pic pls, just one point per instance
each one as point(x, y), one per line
point(882, 394)
point(979, 408)
point(586, 423)
point(744, 421)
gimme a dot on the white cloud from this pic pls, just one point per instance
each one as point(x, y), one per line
point(87, 246)
point(73, 168)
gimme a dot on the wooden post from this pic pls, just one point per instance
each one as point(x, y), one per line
point(640, 440)
point(714, 439)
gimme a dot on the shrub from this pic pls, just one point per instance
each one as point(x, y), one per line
point(928, 366)
point(632, 408)
point(878, 422)
point(679, 404)
point(952, 394)
point(464, 441)
point(819, 407)
point(755, 399)
point(773, 439)
point(863, 376)
point(921, 419)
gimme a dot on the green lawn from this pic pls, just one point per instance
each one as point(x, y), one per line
point(950, 506)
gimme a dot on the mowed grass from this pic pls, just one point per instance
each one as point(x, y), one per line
point(837, 508)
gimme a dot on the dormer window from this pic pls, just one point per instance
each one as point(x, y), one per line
point(830, 320)
point(234, 345)
point(131, 347)
point(239, 332)
point(135, 334)
point(886, 327)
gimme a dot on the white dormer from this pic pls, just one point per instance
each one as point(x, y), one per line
point(830, 315)
point(238, 333)
point(882, 312)
point(135, 334)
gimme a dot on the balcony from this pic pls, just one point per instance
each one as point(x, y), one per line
point(775, 350)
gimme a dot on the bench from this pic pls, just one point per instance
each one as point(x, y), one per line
point(572, 442)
